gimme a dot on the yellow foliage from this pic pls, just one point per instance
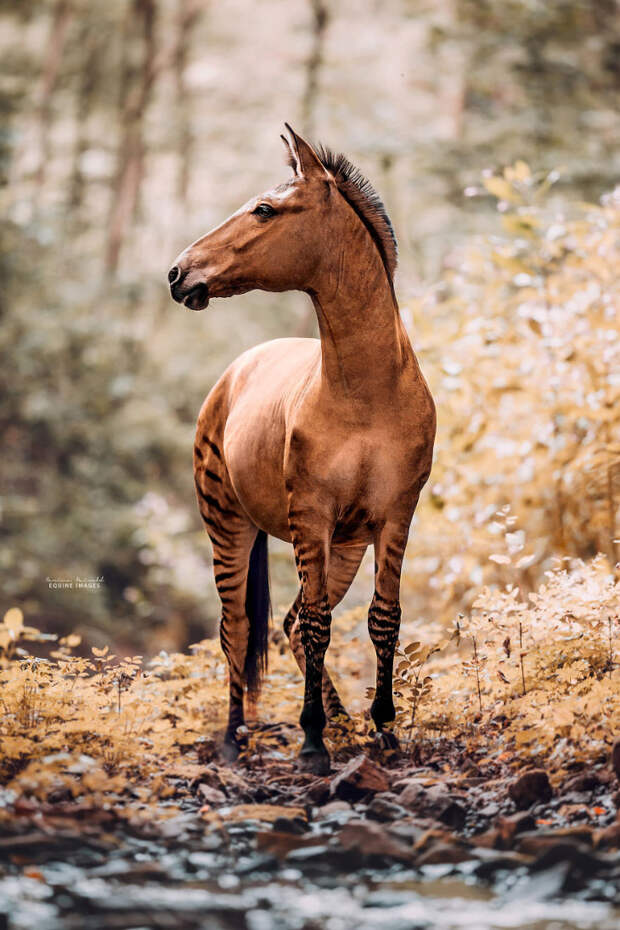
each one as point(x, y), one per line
point(521, 346)
point(536, 677)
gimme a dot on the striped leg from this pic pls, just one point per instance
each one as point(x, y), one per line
point(384, 623)
point(231, 566)
point(314, 627)
point(232, 537)
point(343, 565)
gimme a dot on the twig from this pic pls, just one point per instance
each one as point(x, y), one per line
point(477, 667)
point(521, 654)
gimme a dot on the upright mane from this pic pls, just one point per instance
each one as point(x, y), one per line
point(361, 195)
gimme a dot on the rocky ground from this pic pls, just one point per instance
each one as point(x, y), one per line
point(443, 842)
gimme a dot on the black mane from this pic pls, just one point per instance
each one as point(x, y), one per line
point(361, 195)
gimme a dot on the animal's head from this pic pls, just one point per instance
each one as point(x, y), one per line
point(280, 240)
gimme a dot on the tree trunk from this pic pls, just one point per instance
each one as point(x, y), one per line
point(61, 18)
point(188, 15)
point(320, 20)
point(91, 46)
point(136, 92)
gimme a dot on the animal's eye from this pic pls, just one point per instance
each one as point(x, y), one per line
point(264, 210)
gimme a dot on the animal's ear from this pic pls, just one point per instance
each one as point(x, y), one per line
point(291, 160)
point(307, 162)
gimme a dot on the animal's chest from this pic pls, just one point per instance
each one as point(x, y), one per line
point(361, 474)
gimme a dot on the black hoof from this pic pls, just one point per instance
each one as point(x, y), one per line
point(317, 763)
point(385, 746)
point(230, 751)
point(234, 744)
point(387, 740)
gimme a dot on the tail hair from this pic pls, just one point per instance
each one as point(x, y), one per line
point(258, 610)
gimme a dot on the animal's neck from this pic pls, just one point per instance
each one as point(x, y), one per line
point(364, 345)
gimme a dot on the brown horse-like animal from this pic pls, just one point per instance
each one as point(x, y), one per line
point(325, 444)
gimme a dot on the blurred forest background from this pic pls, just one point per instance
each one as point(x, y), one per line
point(492, 132)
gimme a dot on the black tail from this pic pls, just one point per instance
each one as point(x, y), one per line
point(258, 609)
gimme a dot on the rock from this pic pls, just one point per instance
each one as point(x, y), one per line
point(359, 778)
point(265, 813)
point(615, 758)
point(444, 854)
point(423, 776)
point(535, 844)
point(490, 839)
point(412, 792)
point(529, 788)
point(583, 862)
point(334, 807)
point(293, 825)
point(493, 862)
point(280, 844)
point(408, 831)
point(383, 809)
point(436, 802)
point(210, 796)
point(609, 838)
point(582, 782)
point(317, 791)
point(489, 810)
point(502, 834)
point(430, 837)
point(326, 859)
point(257, 863)
point(373, 842)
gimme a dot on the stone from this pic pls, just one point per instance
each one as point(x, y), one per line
point(529, 788)
point(615, 758)
point(583, 862)
point(280, 843)
point(211, 796)
point(430, 837)
point(492, 862)
point(373, 842)
point(412, 793)
point(333, 807)
point(408, 831)
point(358, 779)
point(383, 809)
point(294, 825)
point(536, 843)
point(582, 782)
point(609, 838)
point(490, 839)
point(317, 791)
point(326, 859)
point(509, 827)
point(444, 854)
point(436, 802)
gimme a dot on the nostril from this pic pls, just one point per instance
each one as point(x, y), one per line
point(174, 274)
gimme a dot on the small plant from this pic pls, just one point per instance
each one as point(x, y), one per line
point(411, 685)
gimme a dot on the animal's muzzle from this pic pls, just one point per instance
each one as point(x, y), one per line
point(173, 275)
point(196, 296)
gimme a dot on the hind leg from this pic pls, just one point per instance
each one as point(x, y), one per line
point(231, 560)
point(344, 562)
point(232, 537)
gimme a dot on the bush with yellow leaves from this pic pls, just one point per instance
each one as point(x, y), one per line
point(521, 344)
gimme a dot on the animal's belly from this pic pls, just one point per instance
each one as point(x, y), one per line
point(254, 453)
